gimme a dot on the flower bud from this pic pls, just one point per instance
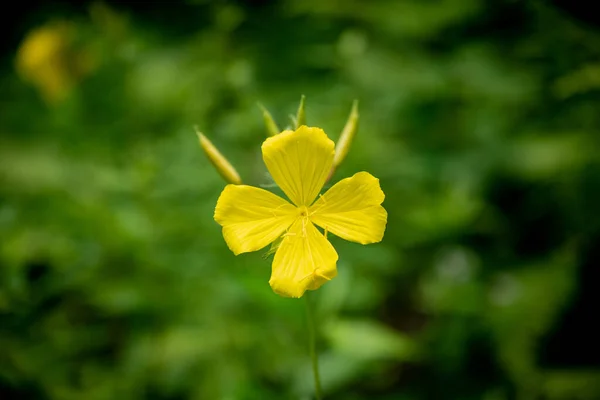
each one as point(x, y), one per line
point(347, 136)
point(272, 128)
point(223, 167)
point(300, 115)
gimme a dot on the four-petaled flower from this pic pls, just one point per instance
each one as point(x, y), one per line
point(300, 162)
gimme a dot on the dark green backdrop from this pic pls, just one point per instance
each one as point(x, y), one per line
point(481, 119)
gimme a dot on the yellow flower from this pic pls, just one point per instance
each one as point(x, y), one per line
point(49, 59)
point(299, 162)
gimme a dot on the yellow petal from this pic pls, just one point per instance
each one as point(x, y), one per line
point(304, 261)
point(352, 209)
point(251, 217)
point(299, 162)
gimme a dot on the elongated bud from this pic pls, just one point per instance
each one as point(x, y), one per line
point(223, 167)
point(300, 114)
point(293, 121)
point(345, 141)
point(272, 128)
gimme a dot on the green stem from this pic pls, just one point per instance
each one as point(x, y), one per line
point(312, 346)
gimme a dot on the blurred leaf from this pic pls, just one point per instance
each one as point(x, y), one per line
point(366, 339)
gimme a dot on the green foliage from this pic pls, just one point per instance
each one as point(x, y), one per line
point(115, 281)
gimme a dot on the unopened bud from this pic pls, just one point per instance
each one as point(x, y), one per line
point(345, 141)
point(293, 121)
point(223, 167)
point(300, 115)
point(272, 128)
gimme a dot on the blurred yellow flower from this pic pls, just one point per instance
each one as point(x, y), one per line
point(47, 59)
point(300, 162)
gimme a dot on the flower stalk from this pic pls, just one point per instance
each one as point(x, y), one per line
point(312, 346)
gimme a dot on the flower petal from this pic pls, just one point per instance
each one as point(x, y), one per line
point(352, 209)
point(304, 260)
point(299, 162)
point(251, 217)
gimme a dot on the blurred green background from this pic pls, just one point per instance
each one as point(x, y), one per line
point(481, 119)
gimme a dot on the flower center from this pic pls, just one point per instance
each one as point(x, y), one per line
point(303, 211)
